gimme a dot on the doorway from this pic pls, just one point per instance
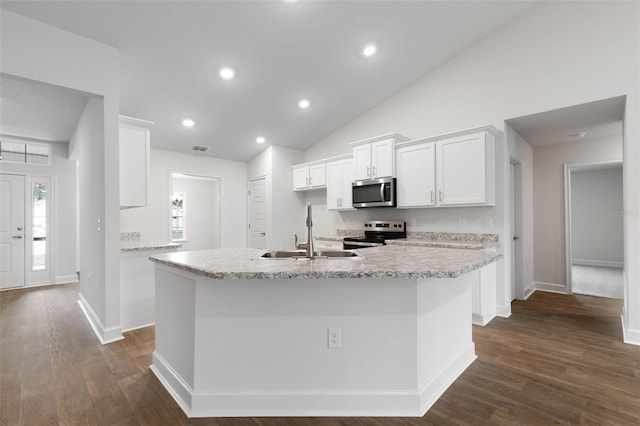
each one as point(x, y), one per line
point(594, 228)
point(195, 211)
point(25, 230)
point(257, 213)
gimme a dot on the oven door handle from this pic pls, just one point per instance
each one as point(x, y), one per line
point(382, 192)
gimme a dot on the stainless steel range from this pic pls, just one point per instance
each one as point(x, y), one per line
point(375, 234)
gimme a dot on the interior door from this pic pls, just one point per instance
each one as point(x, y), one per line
point(257, 214)
point(12, 231)
point(515, 238)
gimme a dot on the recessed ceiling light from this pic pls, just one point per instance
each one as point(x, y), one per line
point(369, 50)
point(304, 103)
point(227, 73)
point(260, 139)
point(187, 122)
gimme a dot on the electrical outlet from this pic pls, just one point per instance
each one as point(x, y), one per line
point(412, 221)
point(488, 223)
point(463, 223)
point(334, 336)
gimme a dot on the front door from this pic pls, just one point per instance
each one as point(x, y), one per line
point(12, 218)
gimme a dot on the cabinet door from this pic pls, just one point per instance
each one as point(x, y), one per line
point(317, 177)
point(334, 185)
point(301, 177)
point(346, 168)
point(134, 165)
point(461, 170)
point(362, 162)
point(416, 175)
point(382, 159)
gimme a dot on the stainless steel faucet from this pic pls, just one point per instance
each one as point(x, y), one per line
point(310, 249)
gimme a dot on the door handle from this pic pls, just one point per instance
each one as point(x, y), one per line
point(515, 237)
point(382, 192)
point(17, 237)
point(19, 228)
point(263, 233)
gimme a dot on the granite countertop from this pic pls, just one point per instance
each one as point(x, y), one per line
point(132, 245)
point(379, 262)
point(432, 239)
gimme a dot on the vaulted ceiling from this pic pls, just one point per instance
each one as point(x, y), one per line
point(171, 53)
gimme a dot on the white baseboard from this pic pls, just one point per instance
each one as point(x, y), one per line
point(104, 335)
point(550, 287)
point(529, 291)
point(138, 327)
point(482, 320)
point(66, 279)
point(333, 403)
point(603, 263)
point(503, 311)
point(629, 335)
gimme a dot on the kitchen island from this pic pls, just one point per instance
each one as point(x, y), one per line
point(380, 335)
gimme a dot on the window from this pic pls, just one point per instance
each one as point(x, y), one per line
point(178, 225)
point(24, 152)
point(39, 229)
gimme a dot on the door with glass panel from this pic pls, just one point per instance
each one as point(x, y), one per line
point(12, 235)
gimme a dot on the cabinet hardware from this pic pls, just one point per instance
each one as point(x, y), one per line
point(375, 171)
point(310, 181)
point(440, 195)
point(263, 233)
point(17, 237)
point(433, 196)
point(368, 171)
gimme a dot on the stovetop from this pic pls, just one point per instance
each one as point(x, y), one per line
point(377, 231)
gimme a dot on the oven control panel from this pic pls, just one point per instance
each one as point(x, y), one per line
point(384, 226)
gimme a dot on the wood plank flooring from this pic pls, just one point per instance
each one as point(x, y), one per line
point(558, 360)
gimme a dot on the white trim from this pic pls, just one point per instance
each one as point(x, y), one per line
point(603, 263)
point(629, 335)
point(403, 403)
point(63, 279)
point(503, 311)
point(137, 327)
point(104, 335)
point(531, 288)
point(550, 287)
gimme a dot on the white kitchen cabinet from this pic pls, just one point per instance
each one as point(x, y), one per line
point(465, 170)
point(134, 135)
point(483, 294)
point(339, 179)
point(309, 176)
point(457, 169)
point(416, 175)
point(375, 158)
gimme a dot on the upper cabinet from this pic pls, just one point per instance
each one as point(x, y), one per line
point(451, 170)
point(375, 158)
point(135, 147)
point(309, 176)
point(339, 179)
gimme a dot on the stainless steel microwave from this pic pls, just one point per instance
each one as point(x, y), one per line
point(374, 192)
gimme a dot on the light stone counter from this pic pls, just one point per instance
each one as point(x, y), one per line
point(391, 261)
point(133, 245)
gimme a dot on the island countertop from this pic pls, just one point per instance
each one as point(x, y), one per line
point(391, 261)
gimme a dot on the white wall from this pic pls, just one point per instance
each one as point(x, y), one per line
point(153, 221)
point(63, 172)
point(202, 204)
point(548, 201)
point(522, 152)
point(40, 52)
point(542, 61)
point(285, 212)
point(596, 217)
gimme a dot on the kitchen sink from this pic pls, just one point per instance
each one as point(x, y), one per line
point(302, 254)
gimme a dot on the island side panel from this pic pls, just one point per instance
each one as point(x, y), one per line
point(445, 345)
point(271, 335)
point(173, 358)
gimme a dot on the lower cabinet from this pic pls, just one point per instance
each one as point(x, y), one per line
point(483, 295)
point(339, 179)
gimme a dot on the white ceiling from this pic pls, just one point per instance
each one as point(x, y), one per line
point(39, 111)
point(171, 51)
point(596, 119)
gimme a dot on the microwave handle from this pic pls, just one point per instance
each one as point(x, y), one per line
point(382, 192)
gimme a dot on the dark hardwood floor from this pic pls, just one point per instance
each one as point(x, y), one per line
point(558, 360)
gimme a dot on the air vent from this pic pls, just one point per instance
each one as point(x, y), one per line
point(199, 148)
